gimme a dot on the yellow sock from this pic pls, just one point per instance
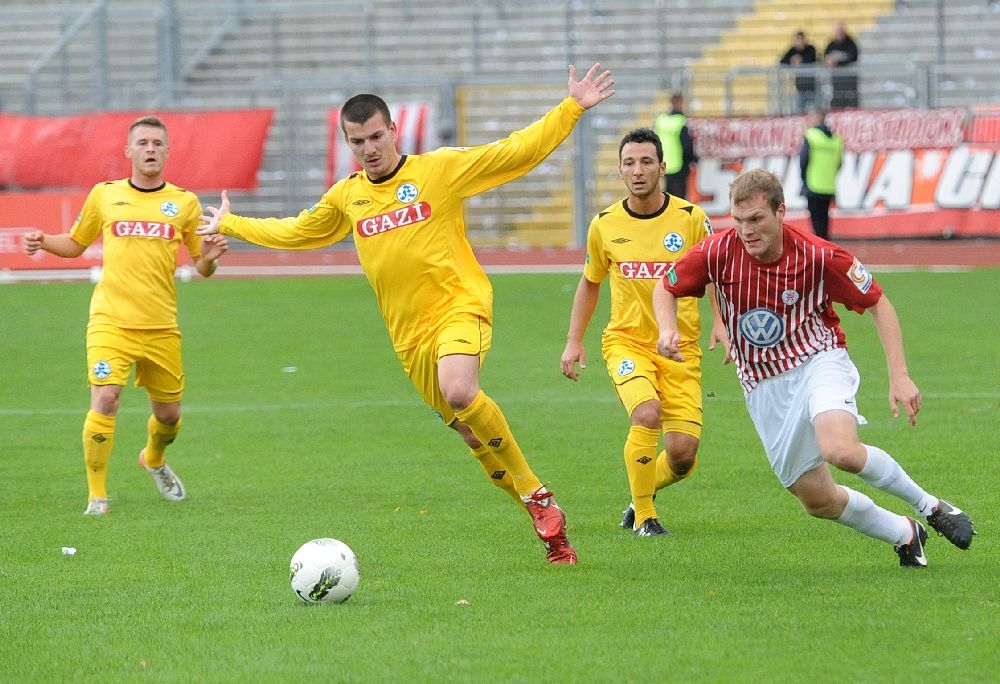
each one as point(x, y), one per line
point(488, 424)
point(665, 476)
point(98, 440)
point(640, 464)
point(160, 435)
point(495, 471)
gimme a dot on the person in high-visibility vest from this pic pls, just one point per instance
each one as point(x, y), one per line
point(819, 160)
point(678, 147)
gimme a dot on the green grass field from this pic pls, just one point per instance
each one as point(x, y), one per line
point(299, 423)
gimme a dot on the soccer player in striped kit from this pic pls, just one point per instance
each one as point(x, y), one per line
point(776, 287)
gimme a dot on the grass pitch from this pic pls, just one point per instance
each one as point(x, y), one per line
point(299, 423)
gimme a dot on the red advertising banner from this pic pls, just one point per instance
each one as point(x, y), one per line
point(53, 212)
point(208, 150)
point(906, 173)
point(413, 125)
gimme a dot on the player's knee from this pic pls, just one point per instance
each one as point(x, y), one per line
point(682, 461)
point(849, 457)
point(647, 415)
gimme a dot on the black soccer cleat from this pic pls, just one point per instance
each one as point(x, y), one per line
point(952, 523)
point(628, 518)
point(911, 554)
point(652, 528)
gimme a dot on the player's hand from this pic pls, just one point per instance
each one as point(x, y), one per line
point(669, 345)
point(33, 241)
point(214, 246)
point(717, 335)
point(213, 217)
point(903, 391)
point(573, 353)
point(593, 88)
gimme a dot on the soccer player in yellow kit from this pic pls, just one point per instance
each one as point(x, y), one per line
point(634, 242)
point(405, 215)
point(133, 311)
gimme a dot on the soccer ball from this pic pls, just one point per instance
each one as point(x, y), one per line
point(324, 571)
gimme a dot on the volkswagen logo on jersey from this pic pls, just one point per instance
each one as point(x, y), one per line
point(673, 242)
point(762, 327)
point(102, 369)
point(626, 367)
point(169, 209)
point(406, 193)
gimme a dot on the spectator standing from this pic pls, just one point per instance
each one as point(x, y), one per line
point(802, 55)
point(842, 53)
point(678, 147)
point(819, 160)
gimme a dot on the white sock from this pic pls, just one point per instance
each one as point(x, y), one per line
point(862, 515)
point(883, 472)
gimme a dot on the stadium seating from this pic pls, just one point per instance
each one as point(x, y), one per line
point(304, 58)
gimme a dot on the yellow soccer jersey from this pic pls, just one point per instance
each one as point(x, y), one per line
point(408, 228)
point(142, 231)
point(637, 251)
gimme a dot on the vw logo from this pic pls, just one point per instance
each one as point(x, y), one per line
point(762, 327)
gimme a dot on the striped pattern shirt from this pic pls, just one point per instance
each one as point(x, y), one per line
point(778, 314)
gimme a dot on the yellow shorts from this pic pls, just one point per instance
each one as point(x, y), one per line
point(156, 354)
point(640, 374)
point(461, 334)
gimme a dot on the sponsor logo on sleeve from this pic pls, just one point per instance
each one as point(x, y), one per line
point(860, 276)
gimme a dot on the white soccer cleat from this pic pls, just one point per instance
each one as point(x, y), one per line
point(166, 480)
point(97, 507)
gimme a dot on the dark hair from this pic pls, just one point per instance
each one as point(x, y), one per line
point(149, 120)
point(755, 182)
point(360, 108)
point(642, 135)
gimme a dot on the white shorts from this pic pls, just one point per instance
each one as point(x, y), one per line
point(783, 409)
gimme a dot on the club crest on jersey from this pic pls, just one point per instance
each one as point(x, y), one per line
point(860, 276)
point(789, 297)
point(143, 229)
point(169, 209)
point(102, 369)
point(406, 193)
point(761, 327)
point(673, 242)
point(397, 218)
point(626, 367)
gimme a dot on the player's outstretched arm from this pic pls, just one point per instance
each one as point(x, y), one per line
point(592, 88)
point(212, 217)
point(61, 245)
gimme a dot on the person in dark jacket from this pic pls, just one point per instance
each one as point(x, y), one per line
point(802, 56)
point(842, 54)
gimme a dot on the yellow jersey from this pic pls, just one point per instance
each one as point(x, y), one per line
point(408, 228)
point(142, 231)
point(636, 251)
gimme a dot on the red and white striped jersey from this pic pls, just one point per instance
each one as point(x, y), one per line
point(778, 314)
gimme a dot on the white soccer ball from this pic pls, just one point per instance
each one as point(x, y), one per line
point(324, 571)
